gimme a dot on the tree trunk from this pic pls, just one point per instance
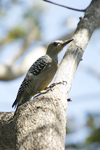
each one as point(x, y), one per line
point(41, 123)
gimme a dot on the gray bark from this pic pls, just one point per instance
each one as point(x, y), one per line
point(6, 131)
point(41, 123)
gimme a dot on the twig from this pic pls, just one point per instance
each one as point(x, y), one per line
point(27, 41)
point(82, 10)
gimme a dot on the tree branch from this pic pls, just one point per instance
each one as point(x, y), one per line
point(76, 48)
point(27, 41)
point(12, 72)
point(7, 137)
point(82, 10)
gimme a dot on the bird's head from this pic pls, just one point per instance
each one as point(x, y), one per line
point(55, 47)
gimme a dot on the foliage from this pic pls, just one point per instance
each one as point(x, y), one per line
point(93, 140)
point(29, 20)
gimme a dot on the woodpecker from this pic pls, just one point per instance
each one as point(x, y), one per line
point(40, 73)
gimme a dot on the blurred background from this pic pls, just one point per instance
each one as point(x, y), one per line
point(26, 28)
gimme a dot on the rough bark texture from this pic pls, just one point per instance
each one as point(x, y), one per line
point(40, 124)
point(6, 131)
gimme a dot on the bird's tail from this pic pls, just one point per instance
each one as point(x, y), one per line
point(21, 101)
point(14, 104)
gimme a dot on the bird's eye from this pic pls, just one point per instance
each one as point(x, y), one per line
point(55, 43)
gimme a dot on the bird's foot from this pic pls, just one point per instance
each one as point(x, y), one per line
point(50, 87)
point(40, 92)
point(54, 84)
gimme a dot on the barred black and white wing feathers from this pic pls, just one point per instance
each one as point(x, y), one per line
point(34, 70)
point(21, 90)
point(38, 66)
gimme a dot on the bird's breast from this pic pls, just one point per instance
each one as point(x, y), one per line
point(41, 81)
point(47, 76)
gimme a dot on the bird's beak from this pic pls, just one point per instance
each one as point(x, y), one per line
point(66, 42)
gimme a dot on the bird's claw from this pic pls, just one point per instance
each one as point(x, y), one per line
point(54, 84)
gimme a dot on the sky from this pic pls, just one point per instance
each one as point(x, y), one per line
point(56, 21)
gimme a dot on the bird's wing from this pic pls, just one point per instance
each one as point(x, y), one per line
point(21, 90)
point(38, 66)
point(35, 69)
